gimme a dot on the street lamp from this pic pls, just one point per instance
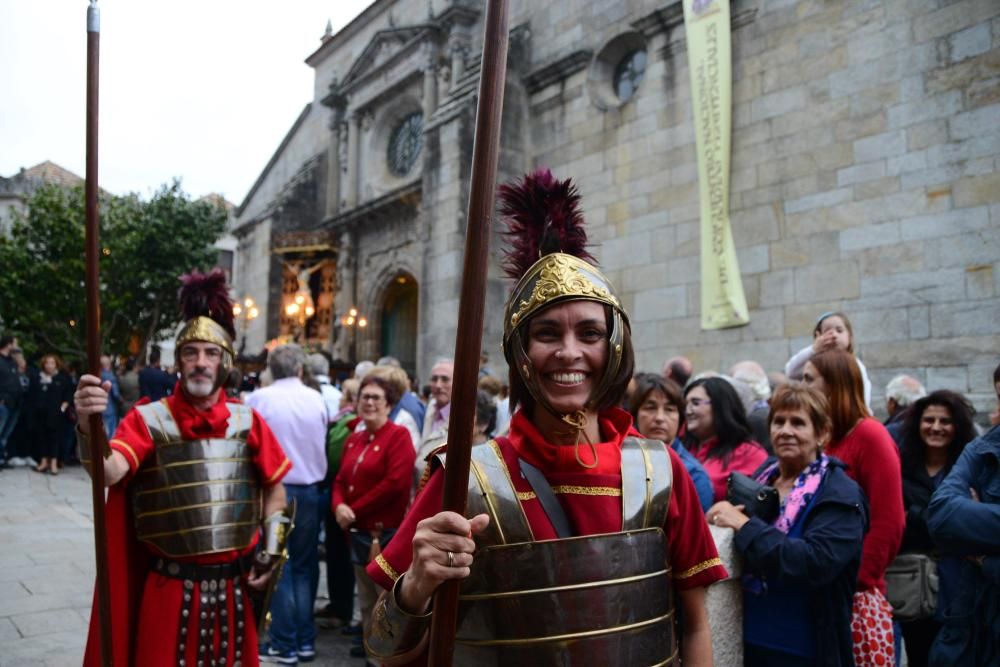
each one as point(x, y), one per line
point(244, 313)
point(354, 320)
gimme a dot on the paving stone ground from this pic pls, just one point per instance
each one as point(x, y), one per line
point(47, 572)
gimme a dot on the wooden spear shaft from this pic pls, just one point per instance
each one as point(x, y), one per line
point(472, 306)
point(98, 438)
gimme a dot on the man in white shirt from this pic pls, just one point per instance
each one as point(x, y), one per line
point(297, 415)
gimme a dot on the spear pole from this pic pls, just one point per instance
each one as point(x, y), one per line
point(472, 306)
point(99, 439)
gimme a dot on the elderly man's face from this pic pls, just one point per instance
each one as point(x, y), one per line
point(441, 376)
point(199, 367)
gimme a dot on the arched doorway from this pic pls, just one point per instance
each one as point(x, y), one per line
point(399, 322)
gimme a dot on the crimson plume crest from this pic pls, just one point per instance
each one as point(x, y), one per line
point(543, 217)
point(206, 294)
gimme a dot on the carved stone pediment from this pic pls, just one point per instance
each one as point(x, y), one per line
point(384, 49)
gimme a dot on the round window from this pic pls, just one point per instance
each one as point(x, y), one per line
point(405, 143)
point(628, 74)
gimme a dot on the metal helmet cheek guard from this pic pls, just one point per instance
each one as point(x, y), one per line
point(553, 279)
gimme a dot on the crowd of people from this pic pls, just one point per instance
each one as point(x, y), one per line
point(595, 499)
point(37, 416)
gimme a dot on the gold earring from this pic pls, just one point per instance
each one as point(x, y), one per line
point(524, 368)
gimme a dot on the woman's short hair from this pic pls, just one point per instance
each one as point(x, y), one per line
point(646, 383)
point(486, 411)
point(845, 390)
point(491, 384)
point(391, 392)
point(797, 396)
point(914, 449)
point(729, 419)
point(53, 357)
point(349, 390)
point(847, 324)
point(520, 396)
point(397, 376)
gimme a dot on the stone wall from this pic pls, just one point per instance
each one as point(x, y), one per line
point(865, 172)
point(866, 142)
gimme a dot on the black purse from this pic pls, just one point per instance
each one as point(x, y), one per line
point(758, 499)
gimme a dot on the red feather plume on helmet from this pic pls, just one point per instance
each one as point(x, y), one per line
point(543, 217)
point(206, 294)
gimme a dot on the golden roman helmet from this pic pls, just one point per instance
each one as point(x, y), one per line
point(208, 314)
point(548, 258)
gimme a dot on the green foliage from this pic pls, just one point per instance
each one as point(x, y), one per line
point(146, 246)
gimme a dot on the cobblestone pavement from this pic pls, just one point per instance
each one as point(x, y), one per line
point(47, 572)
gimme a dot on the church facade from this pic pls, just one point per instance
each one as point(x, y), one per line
point(865, 178)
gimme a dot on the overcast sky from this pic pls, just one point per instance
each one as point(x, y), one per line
point(199, 90)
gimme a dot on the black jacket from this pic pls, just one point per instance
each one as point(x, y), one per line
point(824, 561)
point(10, 385)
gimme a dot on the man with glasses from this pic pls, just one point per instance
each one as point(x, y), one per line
point(435, 431)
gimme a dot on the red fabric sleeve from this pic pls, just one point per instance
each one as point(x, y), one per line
point(693, 556)
point(879, 475)
point(132, 439)
point(400, 457)
point(272, 464)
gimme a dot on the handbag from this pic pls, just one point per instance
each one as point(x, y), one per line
point(367, 544)
point(758, 499)
point(871, 630)
point(912, 586)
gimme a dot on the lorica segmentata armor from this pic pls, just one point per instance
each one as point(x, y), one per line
point(196, 496)
point(596, 599)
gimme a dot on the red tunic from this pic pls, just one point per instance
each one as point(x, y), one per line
point(872, 460)
point(145, 605)
point(745, 459)
point(375, 476)
point(590, 497)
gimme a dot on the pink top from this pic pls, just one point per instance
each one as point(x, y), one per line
point(745, 459)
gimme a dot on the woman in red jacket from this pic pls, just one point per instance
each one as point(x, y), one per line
point(372, 488)
point(873, 462)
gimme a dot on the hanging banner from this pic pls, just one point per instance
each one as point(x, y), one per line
point(706, 23)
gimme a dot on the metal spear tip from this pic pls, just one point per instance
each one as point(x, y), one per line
point(93, 17)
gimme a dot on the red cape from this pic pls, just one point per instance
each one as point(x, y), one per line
point(128, 564)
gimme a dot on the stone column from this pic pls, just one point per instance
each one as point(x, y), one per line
point(430, 87)
point(353, 166)
point(333, 169)
point(344, 298)
point(457, 48)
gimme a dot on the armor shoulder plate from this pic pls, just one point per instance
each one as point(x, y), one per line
point(647, 481)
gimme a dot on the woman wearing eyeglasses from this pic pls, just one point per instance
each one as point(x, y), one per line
point(372, 488)
point(718, 432)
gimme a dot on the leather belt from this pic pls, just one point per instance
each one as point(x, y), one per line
point(196, 572)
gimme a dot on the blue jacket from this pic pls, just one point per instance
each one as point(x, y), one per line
point(824, 562)
point(962, 526)
point(702, 483)
point(411, 404)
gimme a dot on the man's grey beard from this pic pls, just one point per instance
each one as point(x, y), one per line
point(198, 389)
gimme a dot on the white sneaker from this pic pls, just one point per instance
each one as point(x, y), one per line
point(29, 461)
point(17, 462)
